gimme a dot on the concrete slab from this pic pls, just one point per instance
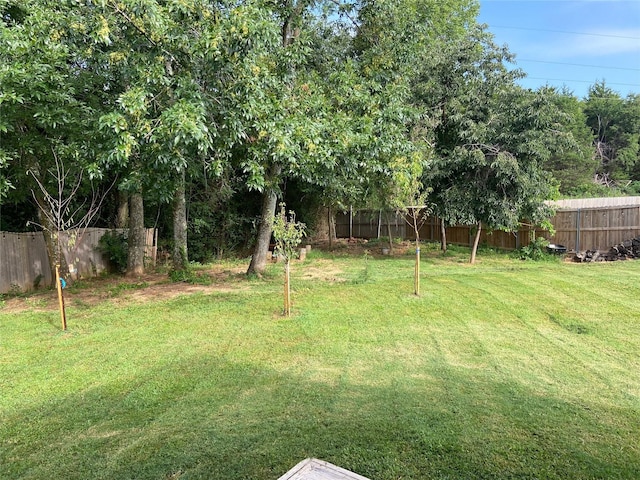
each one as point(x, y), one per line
point(314, 469)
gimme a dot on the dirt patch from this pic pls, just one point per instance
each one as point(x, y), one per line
point(157, 286)
point(145, 288)
point(323, 270)
point(360, 246)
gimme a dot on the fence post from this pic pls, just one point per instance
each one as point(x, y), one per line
point(350, 221)
point(431, 222)
point(578, 232)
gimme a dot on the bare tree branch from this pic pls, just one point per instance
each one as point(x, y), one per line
point(353, 21)
point(59, 214)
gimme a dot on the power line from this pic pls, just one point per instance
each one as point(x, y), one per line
point(580, 65)
point(565, 31)
point(580, 81)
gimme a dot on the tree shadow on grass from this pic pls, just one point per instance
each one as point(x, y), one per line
point(207, 418)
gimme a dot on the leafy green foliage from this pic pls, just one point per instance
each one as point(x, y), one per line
point(615, 123)
point(288, 233)
point(535, 250)
point(367, 103)
point(48, 99)
point(5, 184)
point(114, 245)
point(491, 136)
point(572, 161)
point(190, 275)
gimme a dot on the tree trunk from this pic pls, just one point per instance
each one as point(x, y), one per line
point(269, 200)
point(443, 236)
point(321, 226)
point(122, 215)
point(476, 241)
point(331, 219)
point(51, 239)
point(180, 253)
point(137, 237)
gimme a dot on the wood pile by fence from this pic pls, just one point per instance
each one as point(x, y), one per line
point(24, 263)
point(627, 250)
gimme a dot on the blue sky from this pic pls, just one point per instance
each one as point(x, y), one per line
point(568, 42)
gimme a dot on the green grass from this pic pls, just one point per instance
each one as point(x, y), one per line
point(505, 369)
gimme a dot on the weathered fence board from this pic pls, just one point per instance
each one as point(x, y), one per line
point(602, 202)
point(24, 263)
point(81, 252)
point(370, 224)
point(596, 228)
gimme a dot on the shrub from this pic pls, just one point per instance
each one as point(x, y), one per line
point(189, 275)
point(536, 250)
point(114, 245)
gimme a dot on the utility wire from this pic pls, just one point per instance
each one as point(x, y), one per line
point(579, 65)
point(580, 81)
point(565, 31)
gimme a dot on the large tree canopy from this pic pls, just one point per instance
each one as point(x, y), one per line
point(491, 136)
point(208, 109)
point(572, 166)
point(615, 122)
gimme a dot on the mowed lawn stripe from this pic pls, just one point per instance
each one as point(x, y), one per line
point(472, 379)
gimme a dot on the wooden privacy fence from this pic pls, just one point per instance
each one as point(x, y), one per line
point(595, 228)
point(578, 229)
point(24, 263)
point(370, 224)
point(374, 224)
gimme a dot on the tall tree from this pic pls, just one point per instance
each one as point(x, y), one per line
point(187, 73)
point(575, 167)
point(48, 101)
point(158, 121)
point(615, 122)
point(379, 138)
point(281, 123)
point(491, 137)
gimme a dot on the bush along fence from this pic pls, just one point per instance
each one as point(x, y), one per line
point(24, 263)
point(577, 229)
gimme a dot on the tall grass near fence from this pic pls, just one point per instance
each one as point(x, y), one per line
point(505, 369)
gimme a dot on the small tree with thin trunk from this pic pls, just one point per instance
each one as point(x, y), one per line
point(61, 216)
point(59, 210)
point(288, 234)
point(417, 215)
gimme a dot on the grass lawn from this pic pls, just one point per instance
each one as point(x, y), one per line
point(505, 369)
